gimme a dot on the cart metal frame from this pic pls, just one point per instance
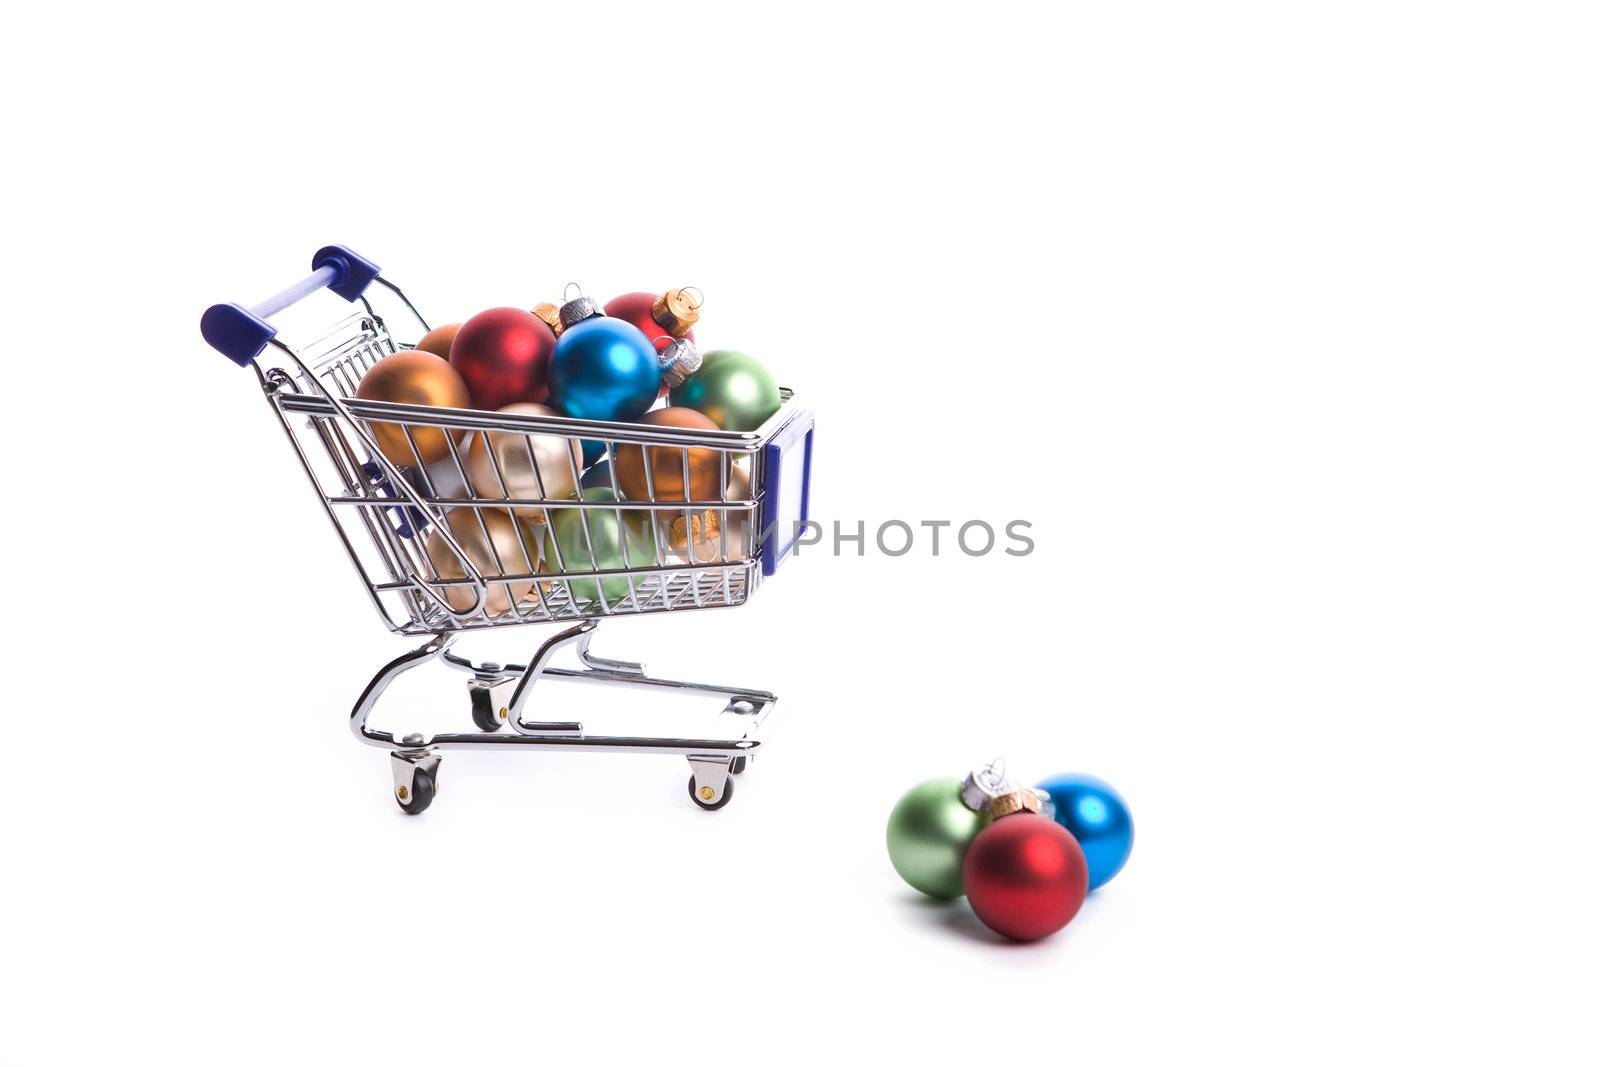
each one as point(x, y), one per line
point(427, 576)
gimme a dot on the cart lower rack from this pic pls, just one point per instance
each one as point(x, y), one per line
point(461, 520)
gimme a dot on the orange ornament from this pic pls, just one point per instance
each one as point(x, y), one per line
point(437, 340)
point(667, 463)
point(413, 378)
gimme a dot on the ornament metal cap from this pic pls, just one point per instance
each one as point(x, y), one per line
point(1011, 803)
point(679, 360)
point(682, 535)
point(550, 315)
point(677, 310)
point(577, 309)
point(986, 783)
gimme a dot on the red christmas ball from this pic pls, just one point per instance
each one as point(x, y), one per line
point(503, 355)
point(636, 308)
point(1025, 876)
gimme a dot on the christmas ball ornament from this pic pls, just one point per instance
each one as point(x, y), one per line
point(666, 317)
point(665, 480)
point(602, 368)
point(1024, 875)
point(412, 378)
point(503, 355)
point(734, 390)
point(533, 466)
point(669, 314)
point(496, 547)
point(929, 832)
point(438, 340)
point(1097, 817)
point(599, 539)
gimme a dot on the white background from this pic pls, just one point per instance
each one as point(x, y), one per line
point(1277, 321)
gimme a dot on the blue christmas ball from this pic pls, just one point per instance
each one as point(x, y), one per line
point(1096, 815)
point(593, 452)
point(604, 368)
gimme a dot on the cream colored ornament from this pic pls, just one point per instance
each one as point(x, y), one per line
point(558, 462)
point(506, 550)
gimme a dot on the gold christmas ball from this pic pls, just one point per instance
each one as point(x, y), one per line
point(698, 538)
point(667, 463)
point(437, 340)
point(558, 462)
point(496, 546)
point(413, 378)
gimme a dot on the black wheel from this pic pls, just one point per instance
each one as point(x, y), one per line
point(415, 801)
point(485, 716)
point(727, 795)
point(738, 764)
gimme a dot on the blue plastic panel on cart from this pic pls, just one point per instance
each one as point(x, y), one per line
point(786, 504)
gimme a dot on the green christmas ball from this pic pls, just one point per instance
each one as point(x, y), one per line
point(617, 544)
point(731, 389)
point(929, 831)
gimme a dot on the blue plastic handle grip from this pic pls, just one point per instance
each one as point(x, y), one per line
point(241, 333)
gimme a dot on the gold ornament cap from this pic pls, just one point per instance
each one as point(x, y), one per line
point(701, 528)
point(677, 310)
point(1011, 803)
point(550, 315)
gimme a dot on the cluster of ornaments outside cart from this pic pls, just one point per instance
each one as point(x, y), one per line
point(1025, 857)
point(568, 462)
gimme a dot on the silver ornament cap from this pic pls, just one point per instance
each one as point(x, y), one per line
point(679, 360)
point(986, 783)
point(577, 309)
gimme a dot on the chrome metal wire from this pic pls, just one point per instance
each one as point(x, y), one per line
point(391, 517)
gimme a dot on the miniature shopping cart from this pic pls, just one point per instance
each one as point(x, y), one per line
point(407, 529)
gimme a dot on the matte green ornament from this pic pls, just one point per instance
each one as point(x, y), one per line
point(929, 831)
point(617, 543)
point(731, 389)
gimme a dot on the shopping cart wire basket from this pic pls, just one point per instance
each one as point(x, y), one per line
point(488, 525)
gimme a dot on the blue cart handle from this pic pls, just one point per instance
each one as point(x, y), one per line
point(241, 333)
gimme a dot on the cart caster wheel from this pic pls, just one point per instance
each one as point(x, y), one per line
point(711, 805)
point(485, 716)
point(415, 800)
point(738, 765)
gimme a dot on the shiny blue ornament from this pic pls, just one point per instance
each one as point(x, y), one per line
point(1096, 815)
point(593, 451)
point(604, 368)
